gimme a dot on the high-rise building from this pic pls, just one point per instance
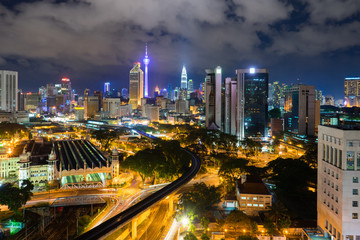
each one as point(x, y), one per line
point(146, 83)
point(170, 93)
point(32, 101)
point(107, 89)
point(66, 90)
point(21, 100)
point(213, 98)
point(230, 106)
point(252, 105)
point(190, 88)
point(183, 78)
point(338, 182)
point(352, 91)
point(8, 90)
point(99, 95)
point(300, 110)
point(274, 95)
point(136, 86)
point(91, 106)
point(125, 93)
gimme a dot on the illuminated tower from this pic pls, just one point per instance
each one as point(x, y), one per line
point(146, 83)
point(183, 78)
point(106, 88)
point(136, 86)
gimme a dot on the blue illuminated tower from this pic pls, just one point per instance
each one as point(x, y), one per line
point(184, 78)
point(146, 83)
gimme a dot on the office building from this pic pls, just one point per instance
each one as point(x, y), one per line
point(91, 106)
point(146, 83)
point(20, 100)
point(136, 86)
point(230, 106)
point(252, 105)
point(112, 105)
point(180, 106)
point(32, 101)
point(300, 110)
point(152, 112)
point(352, 91)
point(274, 95)
point(8, 90)
point(338, 182)
point(99, 95)
point(79, 113)
point(183, 78)
point(190, 88)
point(213, 98)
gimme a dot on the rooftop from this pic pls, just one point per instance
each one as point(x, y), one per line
point(253, 185)
point(345, 127)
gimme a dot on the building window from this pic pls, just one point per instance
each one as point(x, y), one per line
point(350, 144)
point(336, 210)
point(358, 161)
point(336, 188)
point(337, 176)
point(326, 224)
point(350, 160)
point(354, 216)
point(336, 199)
point(355, 192)
point(324, 180)
point(355, 179)
point(323, 152)
point(327, 153)
point(354, 203)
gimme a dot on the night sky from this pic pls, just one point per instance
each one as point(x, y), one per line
point(96, 41)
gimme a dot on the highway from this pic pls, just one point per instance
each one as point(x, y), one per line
point(122, 218)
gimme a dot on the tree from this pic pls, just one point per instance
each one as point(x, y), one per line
point(199, 199)
point(205, 223)
point(237, 219)
point(231, 169)
point(104, 137)
point(190, 236)
point(144, 162)
point(250, 147)
point(205, 237)
point(291, 176)
point(310, 156)
point(246, 237)
point(15, 197)
point(278, 215)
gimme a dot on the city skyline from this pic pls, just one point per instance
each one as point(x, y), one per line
point(293, 39)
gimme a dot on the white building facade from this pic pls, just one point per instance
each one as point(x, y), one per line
point(8, 90)
point(338, 182)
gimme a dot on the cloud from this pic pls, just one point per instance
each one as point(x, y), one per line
point(85, 35)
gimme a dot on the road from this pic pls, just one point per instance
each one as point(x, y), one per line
point(122, 218)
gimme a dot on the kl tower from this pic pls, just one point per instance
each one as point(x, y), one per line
point(146, 83)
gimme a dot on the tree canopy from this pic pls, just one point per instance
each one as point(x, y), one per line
point(15, 197)
point(199, 199)
point(105, 138)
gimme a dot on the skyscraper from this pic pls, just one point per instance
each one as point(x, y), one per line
point(299, 116)
point(352, 91)
point(213, 98)
point(183, 78)
point(338, 182)
point(8, 90)
point(107, 89)
point(146, 84)
point(190, 87)
point(230, 106)
point(252, 105)
point(136, 86)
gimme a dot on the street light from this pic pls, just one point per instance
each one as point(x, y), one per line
point(185, 221)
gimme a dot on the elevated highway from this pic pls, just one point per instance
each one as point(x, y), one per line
point(107, 227)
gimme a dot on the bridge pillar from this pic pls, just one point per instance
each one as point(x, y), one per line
point(134, 228)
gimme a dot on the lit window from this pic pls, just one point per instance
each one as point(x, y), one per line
point(261, 205)
point(249, 204)
point(354, 216)
point(355, 179)
point(244, 198)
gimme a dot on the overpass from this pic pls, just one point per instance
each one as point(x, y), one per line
point(109, 226)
